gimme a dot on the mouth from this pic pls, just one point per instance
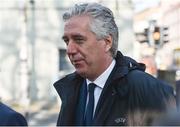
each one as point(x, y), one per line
point(77, 63)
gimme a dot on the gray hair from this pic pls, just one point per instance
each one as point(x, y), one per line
point(102, 24)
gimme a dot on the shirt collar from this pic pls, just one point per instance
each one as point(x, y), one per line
point(101, 80)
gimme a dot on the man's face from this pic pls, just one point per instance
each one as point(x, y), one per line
point(88, 55)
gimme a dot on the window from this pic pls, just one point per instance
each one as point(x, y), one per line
point(64, 63)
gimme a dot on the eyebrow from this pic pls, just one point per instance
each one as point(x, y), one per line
point(74, 36)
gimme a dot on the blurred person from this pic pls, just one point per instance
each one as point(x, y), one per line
point(107, 88)
point(178, 94)
point(9, 117)
point(171, 118)
point(150, 63)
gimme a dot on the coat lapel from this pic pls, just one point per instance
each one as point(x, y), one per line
point(103, 108)
point(109, 92)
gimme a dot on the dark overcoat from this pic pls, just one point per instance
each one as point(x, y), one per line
point(128, 91)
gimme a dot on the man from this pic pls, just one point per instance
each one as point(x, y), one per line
point(9, 117)
point(121, 89)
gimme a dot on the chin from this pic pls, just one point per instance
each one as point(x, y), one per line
point(81, 73)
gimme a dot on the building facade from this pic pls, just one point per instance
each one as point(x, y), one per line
point(32, 53)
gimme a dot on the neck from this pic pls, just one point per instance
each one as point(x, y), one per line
point(105, 66)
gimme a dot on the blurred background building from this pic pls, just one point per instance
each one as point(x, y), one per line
point(157, 36)
point(33, 55)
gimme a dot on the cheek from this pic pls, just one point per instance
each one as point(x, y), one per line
point(92, 58)
point(69, 57)
point(92, 53)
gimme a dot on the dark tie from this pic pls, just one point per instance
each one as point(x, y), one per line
point(90, 105)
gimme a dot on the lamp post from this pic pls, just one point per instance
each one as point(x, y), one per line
point(32, 34)
point(23, 56)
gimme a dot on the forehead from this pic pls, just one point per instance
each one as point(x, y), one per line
point(77, 22)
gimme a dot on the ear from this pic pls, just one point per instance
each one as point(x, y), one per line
point(108, 43)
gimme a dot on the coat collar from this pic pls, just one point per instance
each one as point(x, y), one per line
point(126, 64)
point(68, 89)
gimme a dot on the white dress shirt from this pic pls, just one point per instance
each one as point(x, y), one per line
point(100, 82)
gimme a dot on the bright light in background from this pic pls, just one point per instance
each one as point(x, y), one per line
point(140, 5)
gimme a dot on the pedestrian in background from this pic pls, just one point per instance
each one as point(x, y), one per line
point(107, 88)
point(9, 117)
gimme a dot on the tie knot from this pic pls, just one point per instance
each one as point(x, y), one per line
point(91, 87)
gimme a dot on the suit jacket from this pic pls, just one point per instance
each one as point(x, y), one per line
point(127, 93)
point(9, 117)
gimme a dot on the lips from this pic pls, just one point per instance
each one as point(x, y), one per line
point(77, 62)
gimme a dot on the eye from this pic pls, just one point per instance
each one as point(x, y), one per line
point(79, 39)
point(66, 40)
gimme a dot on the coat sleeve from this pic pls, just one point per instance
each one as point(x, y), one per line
point(150, 93)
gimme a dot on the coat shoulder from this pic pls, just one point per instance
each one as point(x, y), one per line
point(10, 117)
point(150, 90)
point(140, 79)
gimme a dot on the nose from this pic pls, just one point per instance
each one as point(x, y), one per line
point(71, 48)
